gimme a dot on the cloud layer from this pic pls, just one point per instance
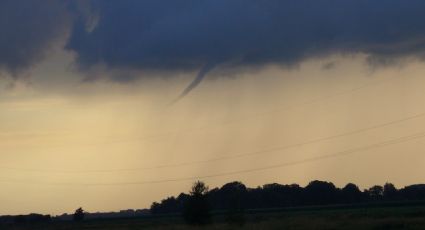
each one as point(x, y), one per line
point(168, 35)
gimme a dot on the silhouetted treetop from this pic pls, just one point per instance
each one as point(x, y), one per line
point(351, 193)
point(79, 214)
point(196, 206)
point(198, 189)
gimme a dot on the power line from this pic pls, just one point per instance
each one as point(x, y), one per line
point(231, 121)
point(284, 108)
point(269, 150)
point(306, 160)
point(289, 146)
point(251, 116)
point(280, 165)
point(289, 107)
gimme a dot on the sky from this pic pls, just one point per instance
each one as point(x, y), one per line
point(112, 105)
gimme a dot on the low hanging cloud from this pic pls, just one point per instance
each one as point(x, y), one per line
point(198, 35)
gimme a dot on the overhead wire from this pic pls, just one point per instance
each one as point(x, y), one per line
point(235, 156)
point(393, 141)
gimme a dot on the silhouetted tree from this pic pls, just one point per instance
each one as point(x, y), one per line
point(390, 192)
point(79, 214)
point(375, 193)
point(233, 198)
point(230, 196)
point(413, 192)
point(196, 207)
point(351, 194)
point(320, 192)
point(277, 195)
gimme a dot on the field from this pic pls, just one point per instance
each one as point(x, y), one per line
point(318, 218)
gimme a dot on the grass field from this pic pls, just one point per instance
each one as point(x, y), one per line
point(376, 218)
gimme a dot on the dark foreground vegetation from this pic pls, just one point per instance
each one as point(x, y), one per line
point(235, 196)
point(319, 205)
point(410, 217)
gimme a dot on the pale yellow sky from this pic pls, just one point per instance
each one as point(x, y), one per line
point(65, 144)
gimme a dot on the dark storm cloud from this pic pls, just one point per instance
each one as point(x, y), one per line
point(184, 35)
point(27, 31)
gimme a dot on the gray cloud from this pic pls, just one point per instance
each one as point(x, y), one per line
point(28, 29)
point(170, 35)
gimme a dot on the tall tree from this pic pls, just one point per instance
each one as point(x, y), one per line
point(79, 214)
point(196, 207)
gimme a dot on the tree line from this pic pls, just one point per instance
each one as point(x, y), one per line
point(237, 197)
point(234, 198)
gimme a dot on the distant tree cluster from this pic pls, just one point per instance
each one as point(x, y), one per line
point(129, 213)
point(32, 218)
point(236, 197)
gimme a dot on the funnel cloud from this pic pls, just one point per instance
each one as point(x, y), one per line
point(198, 79)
